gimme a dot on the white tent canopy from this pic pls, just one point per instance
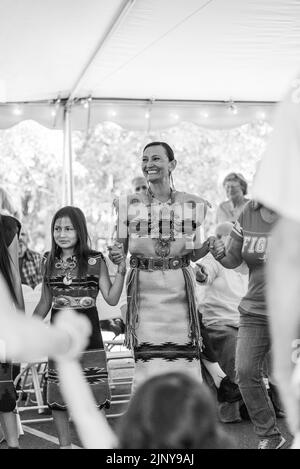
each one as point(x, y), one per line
point(146, 63)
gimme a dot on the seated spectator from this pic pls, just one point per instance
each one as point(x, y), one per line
point(223, 290)
point(236, 188)
point(29, 262)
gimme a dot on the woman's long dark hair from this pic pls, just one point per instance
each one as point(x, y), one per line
point(82, 249)
point(5, 260)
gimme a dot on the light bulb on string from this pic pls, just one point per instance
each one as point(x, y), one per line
point(17, 110)
point(261, 115)
point(232, 107)
point(204, 114)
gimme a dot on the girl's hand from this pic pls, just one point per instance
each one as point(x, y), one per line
point(116, 253)
point(122, 267)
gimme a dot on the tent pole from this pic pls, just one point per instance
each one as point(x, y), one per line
point(116, 21)
point(67, 183)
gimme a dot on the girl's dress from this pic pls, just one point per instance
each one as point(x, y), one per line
point(8, 396)
point(80, 295)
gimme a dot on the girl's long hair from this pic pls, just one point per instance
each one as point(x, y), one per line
point(82, 249)
point(5, 266)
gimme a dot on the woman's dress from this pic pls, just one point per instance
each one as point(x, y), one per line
point(11, 227)
point(80, 295)
point(162, 325)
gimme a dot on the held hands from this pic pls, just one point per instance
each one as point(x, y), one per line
point(116, 253)
point(217, 247)
point(201, 273)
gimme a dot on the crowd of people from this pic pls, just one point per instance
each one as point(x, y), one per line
point(196, 317)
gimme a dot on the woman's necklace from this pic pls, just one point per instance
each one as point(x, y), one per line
point(166, 234)
point(67, 266)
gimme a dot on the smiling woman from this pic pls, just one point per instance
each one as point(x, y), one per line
point(161, 229)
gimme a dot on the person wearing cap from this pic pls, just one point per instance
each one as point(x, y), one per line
point(236, 187)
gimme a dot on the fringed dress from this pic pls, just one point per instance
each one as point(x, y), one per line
point(80, 296)
point(162, 325)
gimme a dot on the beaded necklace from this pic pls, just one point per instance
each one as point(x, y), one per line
point(67, 266)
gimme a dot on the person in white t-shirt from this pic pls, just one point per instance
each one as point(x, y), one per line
point(222, 293)
point(277, 186)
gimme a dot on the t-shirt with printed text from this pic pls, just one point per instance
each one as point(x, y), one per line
point(252, 232)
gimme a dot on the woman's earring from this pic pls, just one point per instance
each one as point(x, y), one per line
point(172, 182)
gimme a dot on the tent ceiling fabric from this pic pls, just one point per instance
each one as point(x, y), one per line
point(212, 50)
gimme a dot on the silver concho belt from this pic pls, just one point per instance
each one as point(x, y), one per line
point(73, 302)
point(162, 263)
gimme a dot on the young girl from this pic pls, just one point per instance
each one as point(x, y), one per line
point(73, 275)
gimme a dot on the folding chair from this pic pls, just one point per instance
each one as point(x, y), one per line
point(32, 377)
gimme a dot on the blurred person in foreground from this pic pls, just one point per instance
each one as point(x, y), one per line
point(172, 411)
point(277, 186)
point(28, 339)
point(9, 272)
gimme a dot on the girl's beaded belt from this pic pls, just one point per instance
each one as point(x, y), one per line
point(73, 302)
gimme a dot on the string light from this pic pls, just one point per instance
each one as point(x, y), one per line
point(17, 111)
point(147, 115)
point(204, 114)
point(174, 116)
point(232, 107)
point(261, 115)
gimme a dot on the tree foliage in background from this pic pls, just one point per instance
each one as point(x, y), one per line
point(106, 159)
